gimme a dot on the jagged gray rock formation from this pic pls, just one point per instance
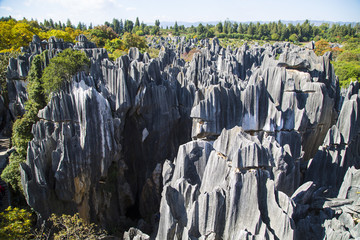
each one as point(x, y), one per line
point(284, 98)
point(340, 148)
point(245, 143)
point(70, 156)
point(71, 168)
point(322, 215)
point(224, 190)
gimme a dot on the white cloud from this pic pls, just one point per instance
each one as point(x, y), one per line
point(116, 3)
point(130, 9)
point(9, 9)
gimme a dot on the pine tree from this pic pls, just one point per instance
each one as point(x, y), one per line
point(116, 24)
point(219, 27)
point(68, 23)
point(176, 29)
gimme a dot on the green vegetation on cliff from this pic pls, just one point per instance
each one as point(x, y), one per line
point(16, 223)
point(347, 64)
point(61, 69)
point(42, 81)
point(121, 46)
point(21, 132)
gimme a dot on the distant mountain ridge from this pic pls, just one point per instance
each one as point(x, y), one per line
point(189, 24)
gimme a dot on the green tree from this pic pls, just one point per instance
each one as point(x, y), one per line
point(227, 26)
point(241, 28)
point(285, 33)
point(100, 34)
point(51, 23)
point(234, 27)
point(155, 30)
point(116, 24)
point(176, 29)
point(79, 26)
point(128, 27)
point(61, 69)
point(59, 25)
point(132, 40)
point(200, 29)
point(293, 38)
point(251, 29)
point(137, 22)
point(69, 24)
point(16, 34)
point(219, 27)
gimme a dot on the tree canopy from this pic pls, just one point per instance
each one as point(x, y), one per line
point(61, 68)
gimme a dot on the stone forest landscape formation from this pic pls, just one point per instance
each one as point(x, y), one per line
point(134, 131)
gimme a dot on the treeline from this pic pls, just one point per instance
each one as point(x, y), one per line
point(16, 34)
point(119, 35)
point(119, 26)
point(276, 31)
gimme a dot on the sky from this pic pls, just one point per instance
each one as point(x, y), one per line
point(99, 11)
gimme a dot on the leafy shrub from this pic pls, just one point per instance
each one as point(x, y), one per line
point(275, 36)
point(132, 40)
point(115, 44)
point(15, 223)
point(347, 72)
point(322, 47)
point(15, 34)
point(11, 174)
point(116, 54)
point(61, 68)
point(294, 38)
point(73, 227)
point(56, 33)
point(140, 33)
point(347, 64)
point(100, 34)
point(349, 56)
point(153, 52)
point(120, 46)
